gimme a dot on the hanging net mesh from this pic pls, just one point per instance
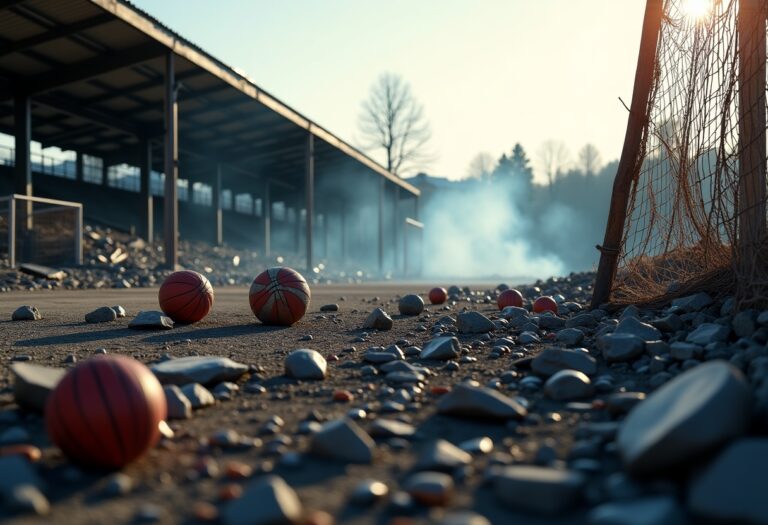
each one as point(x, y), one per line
point(690, 200)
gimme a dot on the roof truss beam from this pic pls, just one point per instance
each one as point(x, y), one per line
point(53, 34)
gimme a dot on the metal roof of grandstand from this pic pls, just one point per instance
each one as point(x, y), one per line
point(95, 71)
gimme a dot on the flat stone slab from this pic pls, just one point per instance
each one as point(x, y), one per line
point(474, 323)
point(46, 272)
point(541, 490)
point(151, 320)
point(733, 488)
point(32, 384)
point(634, 326)
point(551, 360)
point(198, 369)
point(687, 417)
point(441, 349)
point(467, 400)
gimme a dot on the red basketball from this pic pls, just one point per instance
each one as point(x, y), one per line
point(105, 412)
point(186, 297)
point(438, 295)
point(279, 296)
point(545, 304)
point(510, 297)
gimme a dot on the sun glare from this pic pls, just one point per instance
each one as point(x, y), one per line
point(697, 9)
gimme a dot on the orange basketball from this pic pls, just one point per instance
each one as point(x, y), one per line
point(545, 304)
point(438, 295)
point(105, 412)
point(279, 296)
point(186, 297)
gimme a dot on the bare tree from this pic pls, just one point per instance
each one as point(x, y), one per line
point(481, 166)
point(589, 159)
point(393, 120)
point(553, 155)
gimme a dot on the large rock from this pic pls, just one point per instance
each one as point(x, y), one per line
point(707, 333)
point(467, 400)
point(649, 510)
point(633, 325)
point(205, 370)
point(378, 320)
point(442, 455)
point(474, 323)
point(178, 404)
point(567, 385)
point(570, 336)
point(690, 415)
point(198, 395)
point(693, 303)
point(151, 320)
point(306, 364)
point(26, 313)
point(733, 488)
point(411, 304)
point(265, 501)
point(552, 360)
point(620, 347)
point(343, 440)
point(32, 384)
point(441, 348)
point(542, 490)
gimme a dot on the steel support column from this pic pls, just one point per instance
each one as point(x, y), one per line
point(309, 194)
point(381, 225)
point(171, 152)
point(267, 212)
point(145, 177)
point(343, 216)
point(79, 166)
point(219, 234)
point(396, 223)
point(23, 134)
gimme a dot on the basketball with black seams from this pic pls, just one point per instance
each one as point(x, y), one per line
point(279, 296)
point(106, 411)
point(186, 297)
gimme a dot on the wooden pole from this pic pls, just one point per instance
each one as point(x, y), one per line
point(629, 162)
point(752, 191)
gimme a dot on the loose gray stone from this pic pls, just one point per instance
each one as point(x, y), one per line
point(693, 303)
point(151, 320)
point(198, 369)
point(584, 320)
point(368, 492)
point(650, 510)
point(386, 428)
point(32, 384)
point(179, 406)
point(542, 490)
point(26, 313)
point(620, 347)
point(104, 314)
point(669, 323)
point(442, 455)
point(119, 311)
point(745, 323)
point(549, 321)
point(682, 351)
point(622, 402)
point(633, 325)
point(225, 390)
point(27, 498)
point(570, 336)
point(566, 385)
point(685, 418)
point(305, 364)
point(378, 320)
point(474, 323)
point(528, 338)
point(265, 501)
point(475, 401)
point(198, 395)
point(552, 360)
point(329, 308)
point(343, 440)
point(430, 488)
point(16, 471)
point(464, 517)
point(706, 333)
point(733, 487)
point(411, 304)
point(762, 318)
point(441, 348)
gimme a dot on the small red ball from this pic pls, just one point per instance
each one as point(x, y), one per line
point(438, 295)
point(106, 411)
point(279, 296)
point(186, 297)
point(510, 297)
point(545, 304)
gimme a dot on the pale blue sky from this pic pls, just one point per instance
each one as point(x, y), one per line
point(488, 72)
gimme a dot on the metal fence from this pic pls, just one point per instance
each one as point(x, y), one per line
point(43, 231)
